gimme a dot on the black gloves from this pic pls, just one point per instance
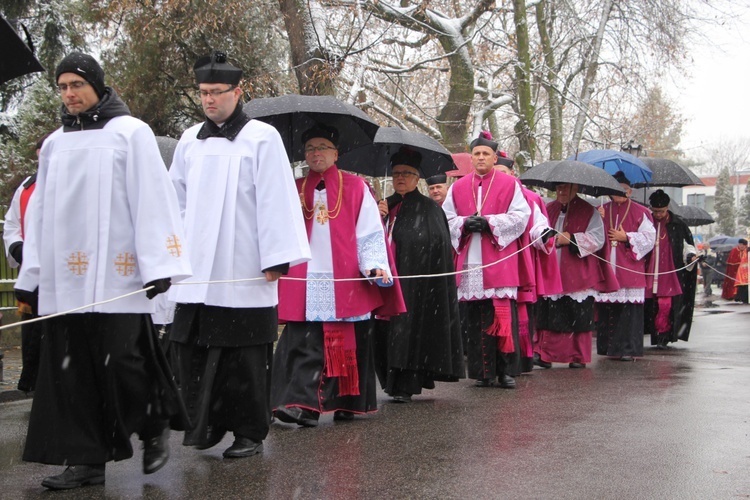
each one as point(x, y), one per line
point(701, 258)
point(160, 286)
point(547, 234)
point(30, 298)
point(16, 251)
point(476, 224)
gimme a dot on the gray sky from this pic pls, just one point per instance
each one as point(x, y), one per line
point(716, 100)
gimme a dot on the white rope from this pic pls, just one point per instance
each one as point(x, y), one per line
point(242, 280)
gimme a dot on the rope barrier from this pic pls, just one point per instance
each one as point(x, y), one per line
point(242, 280)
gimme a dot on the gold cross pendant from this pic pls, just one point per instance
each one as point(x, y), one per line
point(322, 216)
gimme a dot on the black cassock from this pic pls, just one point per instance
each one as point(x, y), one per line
point(101, 378)
point(422, 345)
point(682, 305)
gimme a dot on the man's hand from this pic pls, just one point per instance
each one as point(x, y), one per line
point(547, 234)
point(476, 224)
point(562, 239)
point(272, 275)
point(383, 207)
point(380, 273)
point(160, 286)
point(618, 235)
point(30, 298)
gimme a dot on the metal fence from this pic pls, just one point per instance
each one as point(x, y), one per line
point(7, 279)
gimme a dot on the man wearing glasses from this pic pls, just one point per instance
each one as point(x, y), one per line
point(103, 222)
point(244, 229)
point(323, 361)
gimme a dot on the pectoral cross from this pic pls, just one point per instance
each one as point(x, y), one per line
point(322, 216)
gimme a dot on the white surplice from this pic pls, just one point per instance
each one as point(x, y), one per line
point(103, 220)
point(241, 213)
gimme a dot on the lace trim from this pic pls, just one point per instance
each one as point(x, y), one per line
point(577, 296)
point(320, 304)
point(624, 295)
point(472, 287)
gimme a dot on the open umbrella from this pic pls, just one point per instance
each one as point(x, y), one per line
point(694, 216)
point(668, 173)
point(167, 146)
point(463, 162)
point(616, 161)
point(18, 58)
point(292, 115)
point(590, 179)
point(374, 159)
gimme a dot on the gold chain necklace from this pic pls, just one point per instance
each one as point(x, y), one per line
point(324, 215)
point(486, 194)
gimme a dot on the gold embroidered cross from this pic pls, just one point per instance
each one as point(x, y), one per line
point(174, 246)
point(78, 263)
point(125, 264)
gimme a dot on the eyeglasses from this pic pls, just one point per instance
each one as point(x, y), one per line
point(76, 85)
point(214, 93)
point(319, 149)
point(405, 175)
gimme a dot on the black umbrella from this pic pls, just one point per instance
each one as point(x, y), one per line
point(167, 146)
point(591, 180)
point(374, 159)
point(18, 58)
point(293, 114)
point(668, 173)
point(694, 216)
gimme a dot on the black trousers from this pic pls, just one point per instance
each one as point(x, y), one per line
point(484, 359)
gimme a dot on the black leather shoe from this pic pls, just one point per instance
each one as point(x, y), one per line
point(299, 416)
point(155, 452)
point(213, 437)
point(343, 416)
point(402, 398)
point(543, 364)
point(626, 358)
point(577, 365)
point(76, 476)
point(507, 382)
point(483, 382)
point(243, 447)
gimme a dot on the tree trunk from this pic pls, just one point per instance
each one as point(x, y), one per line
point(550, 82)
point(525, 125)
point(315, 67)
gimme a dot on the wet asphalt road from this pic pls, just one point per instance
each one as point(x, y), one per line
point(675, 424)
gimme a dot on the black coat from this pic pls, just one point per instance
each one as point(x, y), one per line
point(427, 338)
point(682, 305)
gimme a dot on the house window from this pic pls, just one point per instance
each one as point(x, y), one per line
point(697, 200)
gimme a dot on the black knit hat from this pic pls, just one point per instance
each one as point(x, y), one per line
point(84, 66)
point(659, 199)
point(323, 131)
point(216, 69)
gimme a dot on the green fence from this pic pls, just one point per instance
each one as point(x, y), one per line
point(7, 280)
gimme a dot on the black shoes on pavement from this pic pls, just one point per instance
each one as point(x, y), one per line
point(299, 416)
point(543, 364)
point(343, 416)
point(577, 365)
point(243, 447)
point(76, 476)
point(155, 452)
point(506, 382)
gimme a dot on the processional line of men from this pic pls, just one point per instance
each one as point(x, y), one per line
point(228, 220)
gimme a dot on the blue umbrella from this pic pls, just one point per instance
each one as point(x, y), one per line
point(612, 162)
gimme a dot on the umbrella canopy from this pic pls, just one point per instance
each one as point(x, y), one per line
point(463, 162)
point(167, 146)
point(616, 161)
point(374, 159)
point(591, 180)
point(669, 173)
point(292, 115)
point(18, 59)
point(694, 216)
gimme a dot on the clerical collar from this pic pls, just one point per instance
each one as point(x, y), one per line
point(229, 129)
point(564, 208)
